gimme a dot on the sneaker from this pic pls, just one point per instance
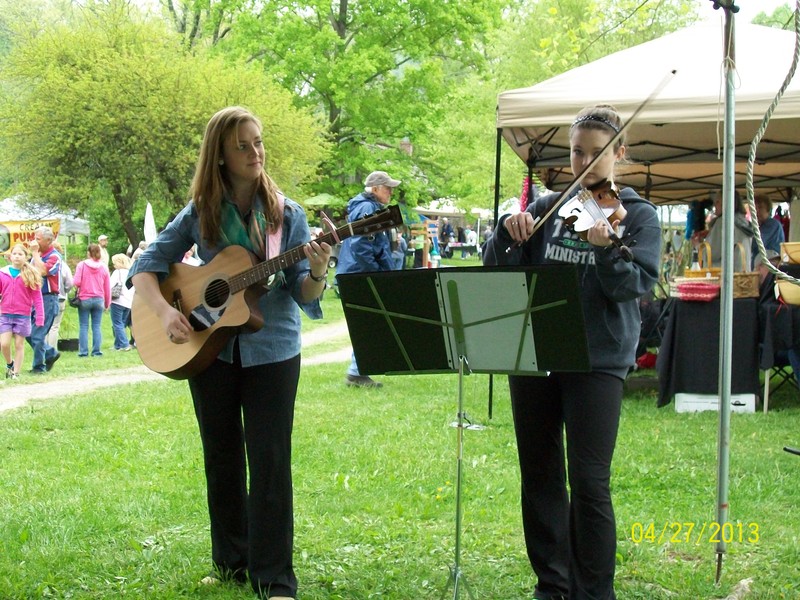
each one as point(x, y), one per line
point(9, 371)
point(362, 381)
point(14, 376)
point(216, 577)
point(38, 371)
point(210, 579)
point(49, 362)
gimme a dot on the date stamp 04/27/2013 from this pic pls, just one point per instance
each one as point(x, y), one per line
point(692, 532)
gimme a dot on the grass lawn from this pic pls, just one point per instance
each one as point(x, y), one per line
point(102, 495)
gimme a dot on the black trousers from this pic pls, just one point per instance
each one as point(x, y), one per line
point(246, 417)
point(571, 539)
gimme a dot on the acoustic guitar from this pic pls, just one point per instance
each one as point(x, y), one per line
point(220, 299)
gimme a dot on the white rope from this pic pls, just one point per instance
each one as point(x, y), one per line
point(751, 158)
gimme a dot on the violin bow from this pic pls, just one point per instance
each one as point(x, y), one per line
point(580, 177)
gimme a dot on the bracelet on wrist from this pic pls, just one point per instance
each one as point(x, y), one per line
point(319, 279)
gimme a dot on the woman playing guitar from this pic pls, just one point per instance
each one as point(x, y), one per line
point(244, 401)
point(571, 535)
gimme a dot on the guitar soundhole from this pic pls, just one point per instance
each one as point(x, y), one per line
point(217, 293)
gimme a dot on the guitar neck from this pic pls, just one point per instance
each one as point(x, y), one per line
point(261, 272)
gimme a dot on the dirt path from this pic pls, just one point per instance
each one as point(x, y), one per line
point(13, 396)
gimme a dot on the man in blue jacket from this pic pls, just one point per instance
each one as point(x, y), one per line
point(367, 253)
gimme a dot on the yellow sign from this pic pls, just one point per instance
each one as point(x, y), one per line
point(16, 232)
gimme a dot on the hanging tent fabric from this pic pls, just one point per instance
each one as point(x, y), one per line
point(675, 145)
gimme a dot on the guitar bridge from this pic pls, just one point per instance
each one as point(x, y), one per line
point(177, 300)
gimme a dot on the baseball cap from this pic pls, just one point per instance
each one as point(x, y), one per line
point(102, 237)
point(377, 178)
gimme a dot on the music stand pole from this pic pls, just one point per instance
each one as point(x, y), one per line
point(456, 576)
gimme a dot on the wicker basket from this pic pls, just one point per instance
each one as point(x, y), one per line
point(745, 284)
point(790, 252)
point(694, 289)
point(704, 255)
point(789, 292)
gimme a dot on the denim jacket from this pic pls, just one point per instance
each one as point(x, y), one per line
point(279, 338)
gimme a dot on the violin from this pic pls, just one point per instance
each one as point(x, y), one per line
point(597, 202)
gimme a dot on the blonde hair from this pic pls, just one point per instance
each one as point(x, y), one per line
point(210, 182)
point(121, 261)
point(30, 276)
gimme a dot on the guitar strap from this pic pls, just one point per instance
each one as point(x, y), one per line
point(274, 239)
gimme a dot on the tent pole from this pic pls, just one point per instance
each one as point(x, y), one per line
point(497, 151)
point(726, 297)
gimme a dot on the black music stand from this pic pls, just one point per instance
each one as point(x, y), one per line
point(513, 320)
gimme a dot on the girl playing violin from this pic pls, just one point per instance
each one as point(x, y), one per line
point(571, 534)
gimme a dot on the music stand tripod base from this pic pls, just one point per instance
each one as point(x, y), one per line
point(456, 577)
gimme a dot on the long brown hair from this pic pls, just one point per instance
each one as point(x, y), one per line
point(210, 182)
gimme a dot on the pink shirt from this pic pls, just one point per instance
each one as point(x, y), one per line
point(18, 298)
point(93, 281)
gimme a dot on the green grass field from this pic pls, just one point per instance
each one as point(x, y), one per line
point(102, 495)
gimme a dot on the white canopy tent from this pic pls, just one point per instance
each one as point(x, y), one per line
point(11, 211)
point(675, 144)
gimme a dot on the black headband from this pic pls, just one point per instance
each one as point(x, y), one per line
point(597, 118)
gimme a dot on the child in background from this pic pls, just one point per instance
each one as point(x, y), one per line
point(20, 294)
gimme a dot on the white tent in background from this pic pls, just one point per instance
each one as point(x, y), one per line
point(150, 231)
point(676, 142)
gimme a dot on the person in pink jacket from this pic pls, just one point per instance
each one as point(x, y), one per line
point(20, 295)
point(94, 292)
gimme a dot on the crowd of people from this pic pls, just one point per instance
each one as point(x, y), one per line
point(707, 229)
point(35, 285)
point(463, 239)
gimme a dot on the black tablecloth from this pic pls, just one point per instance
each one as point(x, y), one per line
point(688, 360)
point(780, 330)
point(779, 322)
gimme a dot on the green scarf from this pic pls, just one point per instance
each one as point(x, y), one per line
point(250, 235)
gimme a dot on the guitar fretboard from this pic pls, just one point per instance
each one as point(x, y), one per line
point(261, 272)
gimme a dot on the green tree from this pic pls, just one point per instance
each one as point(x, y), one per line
point(203, 22)
point(105, 112)
point(376, 71)
point(782, 17)
point(554, 36)
point(542, 40)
